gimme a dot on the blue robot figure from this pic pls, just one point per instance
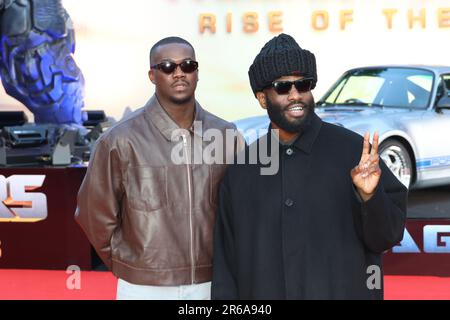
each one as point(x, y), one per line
point(36, 64)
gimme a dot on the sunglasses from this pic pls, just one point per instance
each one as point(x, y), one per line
point(187, 66)
point(302, 85)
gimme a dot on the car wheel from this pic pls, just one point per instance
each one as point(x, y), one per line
point(398, 160)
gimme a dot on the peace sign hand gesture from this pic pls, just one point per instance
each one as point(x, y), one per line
point(366, 175)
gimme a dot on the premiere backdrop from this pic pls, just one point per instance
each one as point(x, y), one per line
point(113, 39)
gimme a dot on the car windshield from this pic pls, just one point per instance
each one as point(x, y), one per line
point(382, 87)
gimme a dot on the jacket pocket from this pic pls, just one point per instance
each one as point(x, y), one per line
point(147, 188)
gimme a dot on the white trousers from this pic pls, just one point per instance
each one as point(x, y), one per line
point(129, 291)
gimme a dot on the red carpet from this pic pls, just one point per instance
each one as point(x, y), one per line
point(416, 288)
point(49, 285)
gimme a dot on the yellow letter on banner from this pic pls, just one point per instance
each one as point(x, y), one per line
point(444, 17)
point(389, 13)
point(320, 20)
point(229, 22)
point(207, 21)
point(344, 17)
point(420, 18)
point(250, 21)
point(275, 21)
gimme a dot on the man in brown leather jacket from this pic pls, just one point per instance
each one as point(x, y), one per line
point(150, 217)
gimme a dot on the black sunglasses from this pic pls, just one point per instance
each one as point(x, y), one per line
point(187, 66)
point(302, 85)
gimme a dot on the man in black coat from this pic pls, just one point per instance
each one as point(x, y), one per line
point(316, 229)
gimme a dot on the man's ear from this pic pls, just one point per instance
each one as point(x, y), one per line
point(151, 76)
point(261, 96)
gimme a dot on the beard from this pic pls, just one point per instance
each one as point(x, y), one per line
point(180, 101)
point(277, 115)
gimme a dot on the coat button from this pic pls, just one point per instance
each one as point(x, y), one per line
point(289, 202)
point(289, 152)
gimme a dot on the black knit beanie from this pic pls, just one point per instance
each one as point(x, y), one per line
point(281, 56)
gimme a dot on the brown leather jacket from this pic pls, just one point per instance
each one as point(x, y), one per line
point(150, 220)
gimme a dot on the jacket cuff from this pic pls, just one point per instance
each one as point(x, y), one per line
point(375, 202)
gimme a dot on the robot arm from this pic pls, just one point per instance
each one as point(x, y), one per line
point(36, 60)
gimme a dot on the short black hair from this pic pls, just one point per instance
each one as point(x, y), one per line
point(168, 40)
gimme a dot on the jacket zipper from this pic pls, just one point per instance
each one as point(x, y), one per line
point(190, 208)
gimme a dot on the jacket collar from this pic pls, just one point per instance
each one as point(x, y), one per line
point(306, 140)
point(155, 113)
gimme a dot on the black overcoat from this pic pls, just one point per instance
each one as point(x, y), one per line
point(303, 233)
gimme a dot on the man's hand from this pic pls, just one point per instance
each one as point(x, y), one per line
point(366, 175)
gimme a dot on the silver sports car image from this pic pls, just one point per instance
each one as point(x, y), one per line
point(408, 105)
